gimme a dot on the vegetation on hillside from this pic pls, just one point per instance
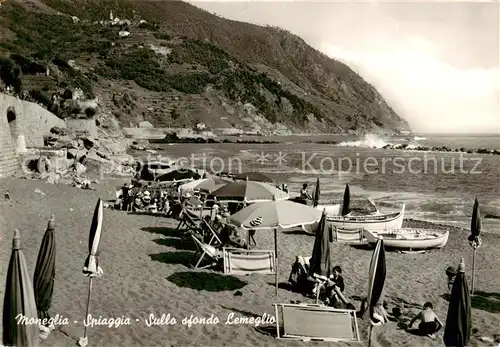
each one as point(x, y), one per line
point(36, 39)
point(205, 51)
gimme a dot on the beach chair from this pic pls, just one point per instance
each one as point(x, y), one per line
point(209, 234)
point(347, 235)
point(248, 261)
point(189, 222)
point(316, 322)
point(214, 254)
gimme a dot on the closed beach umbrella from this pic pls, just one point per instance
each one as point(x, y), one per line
point(253, 176)
point(19, 299)
point(475, 237)
point(91, 267)
point(376, 279)
point(316, 193)
point(458, 321)
point(249, 192)
point(475, 224)
point(45, 272)
point(346, 201)
point(272, 215)
point(321, 262)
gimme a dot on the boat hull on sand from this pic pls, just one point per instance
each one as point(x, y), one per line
point(412, 239)
point(379, 222)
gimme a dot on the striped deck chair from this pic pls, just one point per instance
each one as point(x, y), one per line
point(316, 322)
point(347, 235)
point(248, 261)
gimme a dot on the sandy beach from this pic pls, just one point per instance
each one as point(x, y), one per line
point(146, 271)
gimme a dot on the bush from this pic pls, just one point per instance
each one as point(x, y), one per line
point(90, 112)
point(10, 73)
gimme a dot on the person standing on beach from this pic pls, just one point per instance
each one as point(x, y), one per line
point(429, 321)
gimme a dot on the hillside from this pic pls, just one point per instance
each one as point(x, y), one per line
point(172, 64)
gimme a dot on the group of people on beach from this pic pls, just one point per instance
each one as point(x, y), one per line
point(331, 292)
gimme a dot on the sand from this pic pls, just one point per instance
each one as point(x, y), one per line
point(146, 270)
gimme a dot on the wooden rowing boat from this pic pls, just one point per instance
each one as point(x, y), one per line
point(369, 222)
point(412, 239)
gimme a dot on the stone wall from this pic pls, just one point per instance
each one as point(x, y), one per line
point(21, 117)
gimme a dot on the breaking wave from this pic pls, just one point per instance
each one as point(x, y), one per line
point(369, 141)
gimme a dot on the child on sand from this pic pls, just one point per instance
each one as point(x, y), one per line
point(429, 321)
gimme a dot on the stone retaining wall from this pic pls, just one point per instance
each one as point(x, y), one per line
point(21, 117)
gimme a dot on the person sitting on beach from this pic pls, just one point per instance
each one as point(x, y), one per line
point(335, 288)
point(230, 237)
point(380, 315)
point(429, 321)
point(146, 198)
point(304, 194)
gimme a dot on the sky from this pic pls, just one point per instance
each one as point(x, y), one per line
point(436, 63)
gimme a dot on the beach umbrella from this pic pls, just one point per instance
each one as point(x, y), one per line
point(180, 174)
point(316, 193)
point(253, 176)
point(376, 280)
point(249, 192)
point(208, 184)
point(321, 262)
point(272, 215)
point(458, 321)
point(320, 259)
point(91, 267)
point(474, 238)
point(346, 201)
point(45, 272)
point(19, 299)
point(275, 214)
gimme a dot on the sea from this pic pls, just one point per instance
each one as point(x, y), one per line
point(434, 186)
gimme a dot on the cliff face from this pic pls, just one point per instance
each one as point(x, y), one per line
point(172, 64)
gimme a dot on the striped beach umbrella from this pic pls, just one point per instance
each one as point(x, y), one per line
point(317, 193)
point(376, 280)
point(19, 301)
point(271, 215)
point(45, 272)
point(91, 267)
point(458, 321)
point(346, 201)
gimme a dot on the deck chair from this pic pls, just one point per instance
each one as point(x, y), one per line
point(247, 261)
point(214, 254)
point(316, 322)
point(210, 234)
point(347, 235)
point(189, 222)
